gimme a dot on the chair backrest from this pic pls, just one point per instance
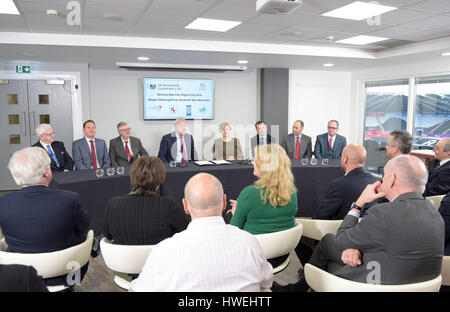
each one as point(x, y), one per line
point(56, 263)
point(435, 200)
point(316, 229)
point(445, 271)
point(128, 259)
point(280, 243)
point(322, 281)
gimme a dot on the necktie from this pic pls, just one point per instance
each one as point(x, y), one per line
point(49, 150)
point(94, 158)
point(127, 150)
point(183, 152)
point(297, 148)
point(330, 143)
point(262, 141)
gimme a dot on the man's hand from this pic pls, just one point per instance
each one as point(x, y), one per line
point(370, 193)
point(233, 204)
point(352, 257)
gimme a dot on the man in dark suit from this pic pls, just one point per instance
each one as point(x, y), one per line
point(439, 179)
point(444, 210)
point(60, 159)
point(296, 144)
point(331, 144)
point(261, 137)
point(20, 278)
point(398, 242)
point(38, 219)
point(178, 145)
point(125, 149)
point(90, 152)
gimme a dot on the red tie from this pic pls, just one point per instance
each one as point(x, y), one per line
point(127, 150)
point(297, 148)
point(94, 159)
point(183, 152)
point(331, 140)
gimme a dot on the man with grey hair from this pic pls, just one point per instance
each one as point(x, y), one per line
point(38, 219)
point(60, 158)
point(439, 179)
point(209, 255)
point(398, 143)
point(177, 145)
point(398, 242)
point(125, 149)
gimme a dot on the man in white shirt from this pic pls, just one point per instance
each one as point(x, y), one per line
point(209, 255)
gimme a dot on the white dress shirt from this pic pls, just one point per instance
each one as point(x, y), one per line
point(45, 146)
point(442, 162)
point(208, 256)
point(89, 144)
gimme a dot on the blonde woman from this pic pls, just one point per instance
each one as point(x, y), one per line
point(227, 147)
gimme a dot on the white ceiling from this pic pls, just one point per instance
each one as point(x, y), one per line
point(415, 22)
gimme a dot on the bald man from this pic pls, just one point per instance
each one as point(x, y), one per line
point(399, 242)
point(439, 179)
point(209, 255)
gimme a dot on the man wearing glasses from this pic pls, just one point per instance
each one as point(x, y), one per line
point(331, 144)
point(60, 158)
point(125, 149)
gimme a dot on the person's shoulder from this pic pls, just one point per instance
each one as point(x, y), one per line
point(79, 141)
point(114, 140)
point(323, 135)
point(133, 138)
point(98, 140)
point(62, 193)
point(37, 144)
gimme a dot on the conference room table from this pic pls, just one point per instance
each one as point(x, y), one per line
point(311, 182)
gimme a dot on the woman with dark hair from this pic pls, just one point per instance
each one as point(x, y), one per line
point(142, 217)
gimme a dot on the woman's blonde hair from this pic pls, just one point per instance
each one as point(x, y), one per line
point(276, 182)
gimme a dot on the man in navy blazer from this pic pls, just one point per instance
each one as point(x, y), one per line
point(444, 210)
point(261, 137)
point(84, 153)
point(439, 178)
point(60, 159)
point(331, 144)
point(38, 219)
point(177, 145)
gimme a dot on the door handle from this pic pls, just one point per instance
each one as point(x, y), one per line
point(24, 123)
point(34, 122)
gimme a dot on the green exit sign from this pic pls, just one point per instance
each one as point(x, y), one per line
point(23, 69)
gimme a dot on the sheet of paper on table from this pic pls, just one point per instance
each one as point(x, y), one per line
point(203, 162)
point(221, 162)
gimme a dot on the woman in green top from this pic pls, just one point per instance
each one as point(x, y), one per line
point(270, 204)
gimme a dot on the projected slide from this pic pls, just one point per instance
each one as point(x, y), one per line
point(173, 98)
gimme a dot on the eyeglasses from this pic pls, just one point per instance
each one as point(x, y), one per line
point(332, 128)
point(128, 129)
point(51, 133)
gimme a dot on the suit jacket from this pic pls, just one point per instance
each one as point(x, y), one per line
point(322, 148)
point(64, 159)
point(83, 157)
point(254, 142)
point(143, 219)
point(342, 192)
point(20, 278)
point(404, 239)
point(38, 219)
point(118, 155)
point(289, 145)
point(444, 210)
point(438, 180)
point(168, 147)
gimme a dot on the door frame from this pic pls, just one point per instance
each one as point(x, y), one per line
point(74, 77)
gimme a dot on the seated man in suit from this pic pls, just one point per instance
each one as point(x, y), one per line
point(399, 143)
point(177, 145)
point(125, 149)
point(38, 219)
point(296, 144)
point(261, 137)
point(90, 152)
point(20, 278)
point(60, 159)
point(331, 144)
point(444, 210)
point(403, 238)
point(439, 179)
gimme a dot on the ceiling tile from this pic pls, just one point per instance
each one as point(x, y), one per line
point(433, 6)
point(402, 16)
point(244, 3)
point(249, 28)
point(301, 33)
point(395, 32)
point(162, 20)
point(434, 22)
point(184, 8)
point(40, 9)
point(53, 23)
point(230, 12)
point(13, 23)
point(101, 27)
point(321, 6)
point(121, 15)
point(126, 5)
point(398, 3)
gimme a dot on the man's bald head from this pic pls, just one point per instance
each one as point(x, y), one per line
point(410, 172)
point(203, 195)
point(356, 154)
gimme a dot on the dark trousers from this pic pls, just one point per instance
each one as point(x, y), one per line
point(62, 280)
point(326, 252)
point(304, 249)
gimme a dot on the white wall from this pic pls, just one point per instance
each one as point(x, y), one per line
point(315, 97)
point(117, 95)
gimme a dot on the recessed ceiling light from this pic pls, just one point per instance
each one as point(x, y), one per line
point(8, 7)
point(242, 62)
point(360, 40)
point(212, 24)
point(143, 58)
point(328, 65)
point(359, 10)
point(446, 54)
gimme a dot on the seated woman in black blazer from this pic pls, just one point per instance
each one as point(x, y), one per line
point(142, 217)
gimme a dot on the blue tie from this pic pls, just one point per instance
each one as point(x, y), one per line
point(52, 155)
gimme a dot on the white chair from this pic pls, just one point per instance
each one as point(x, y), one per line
point(128, 259)
point(52, 264)
point(316, 229)
point(435, 200)
point(322, 281)
point(445, 271)
point(280, 243)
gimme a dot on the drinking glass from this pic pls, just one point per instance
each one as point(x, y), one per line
point(173, 164)
point(304, 161)
point(99, 172)
point(325, 162)
point(313, 161)
point(110, 171)
point(120, 170)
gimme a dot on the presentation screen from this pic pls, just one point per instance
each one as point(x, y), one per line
point(167, 98)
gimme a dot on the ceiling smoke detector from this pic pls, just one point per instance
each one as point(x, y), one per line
point(52, 12)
